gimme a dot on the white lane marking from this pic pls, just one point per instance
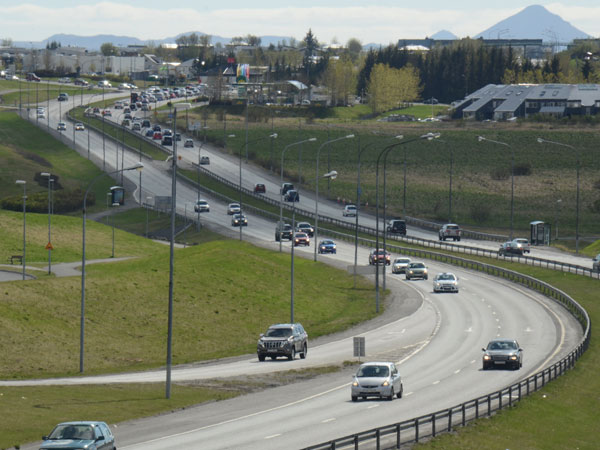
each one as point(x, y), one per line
point(469, 330)
point(407, 394)
point(272, 436)
point(493, 313)
point(436, 382)
point(473, 361)
point(328, 420)
point(373, 406)
point(528, 330)
point(457, 371)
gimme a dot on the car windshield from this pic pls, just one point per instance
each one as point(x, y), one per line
point(504, 345)
point(326, 242)
point(278, 332)
point(373, 371)
point(417, 265)
point(445, 276)
point(402, 261)
point(73, 431)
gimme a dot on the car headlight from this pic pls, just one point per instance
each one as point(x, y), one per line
point(486, 357)
point(425, 271)
point(355, 383)
point(513, 357)
point(385, 383)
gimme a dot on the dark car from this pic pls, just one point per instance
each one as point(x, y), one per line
point(305, 227)
point(286, 187)
point(431, 101)
point(284, 339)
point(510, 248)
point(149, 132)
point(379, 257)
point(327, 246)
point(502, 353)
point(239, 220)
point(396, 226)
point(283, 231)
point(156, 128)
point(260, 188)
point(90, 435)
point(301, 239)
point(167, 140)
point(292, 196)
point(204, 160)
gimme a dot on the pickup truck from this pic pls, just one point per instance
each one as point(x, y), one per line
point(450, 231)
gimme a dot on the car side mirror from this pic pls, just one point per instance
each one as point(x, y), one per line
point(520, 349)
point(262, 334)
point(483, 349)
point(44, 438)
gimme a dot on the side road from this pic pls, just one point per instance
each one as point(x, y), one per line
point(60, 269)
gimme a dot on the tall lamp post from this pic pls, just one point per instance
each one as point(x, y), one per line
point(24, 183)
point(546, 141)
point(177, 107)
point(512, 180)
point(49, 246)
point(330, 175)
point(137, 166)
point(281, 182)
point(384, 154)
point(147, 204)
point(271, 136)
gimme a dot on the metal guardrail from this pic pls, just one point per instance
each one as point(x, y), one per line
point(429, 425)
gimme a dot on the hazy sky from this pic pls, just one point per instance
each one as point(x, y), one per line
point(378, 21)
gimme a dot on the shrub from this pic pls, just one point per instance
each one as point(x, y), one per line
point(500, 173)
point(522, 169)
point(481, 211)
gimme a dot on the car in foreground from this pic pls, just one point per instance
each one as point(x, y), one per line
point(379, 257)
point(204, 160)
point(502, 353)
point(283, 231)
point(416, 270)
point(376, 379)
point(61, 126)
point(234, 208)
point(327, 246)
point(260, 188)
point(88, 435)
point(400, 264)
point(283, 339)
point(445, 282)
point(292, 196)
point(509, 248)
point(349, 211)
point(239, 220)
point(523, 244)
point(201, 206)
point(301, 239)
point(189, 143)
point(79, 127)
point(306, 228)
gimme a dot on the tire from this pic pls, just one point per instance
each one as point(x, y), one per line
point(458, 239)
point(277, 238)
point(391, 396)
point(426, 277)
point(292, 354)
point(354, 398)
point(407, 277)
point(261, 357)
point(399, 394)
point(304, 352)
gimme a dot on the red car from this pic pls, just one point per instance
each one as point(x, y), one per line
point(107, 113)
point(301, 239)
point(157, 135)
point(379, 257)
point(259, 188)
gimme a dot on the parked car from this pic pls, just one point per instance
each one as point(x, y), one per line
point(523, 244)
point(502, 353)
point(445, 282)
point(327, 246)
point(201, 206)
point(286, 187)
point(283, 231)
point(301, 239)
point(379, 257)
point(400, 264)
point(90, 435)
point(416, 270)
point(204, 160)
point(260, 188)
point(61, 126)
point(376, 379)
point(292, 196)
point(396, 226)
point(79, 126)
point(239, 220)
point(596, 263)
point(509, 248)
point(349, 211)
point(450, 231)
point(284, 339)
point(189, 143)
point(306, 228)
point(234, 208)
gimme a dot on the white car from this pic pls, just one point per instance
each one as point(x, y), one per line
point(445, 282)
point(523, 244)
point(349, 211)
point(201, 206)
point(234, 208)
point(400, 264)
point(188, 143)
point(376, 379)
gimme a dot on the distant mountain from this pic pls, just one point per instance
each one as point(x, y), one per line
point(534, 22)
point(444, 35)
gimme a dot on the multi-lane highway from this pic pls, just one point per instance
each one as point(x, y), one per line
point(436, 338)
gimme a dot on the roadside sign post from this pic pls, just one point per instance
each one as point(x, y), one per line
point(359, 346)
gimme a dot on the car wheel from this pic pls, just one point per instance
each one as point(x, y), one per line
point(261, 357)
point(399, 394)
point(425, 277)
point(407, 277)
point(354, 398)
point(391, 396)
point(292, 354)
point(304, 352)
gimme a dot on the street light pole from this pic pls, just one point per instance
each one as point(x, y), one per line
point(50, 180)
point(577, 162)
point(328, 175)
point(24, 183)
point(171, 250)
point(512, 180)
point(281, 183)
point(147, 199)
point(137, 166)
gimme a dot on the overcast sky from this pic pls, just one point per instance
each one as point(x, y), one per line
point(377, 21)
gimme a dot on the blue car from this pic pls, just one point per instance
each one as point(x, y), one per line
point(327, 246)
point(80, 435)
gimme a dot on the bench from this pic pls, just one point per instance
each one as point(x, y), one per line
point(17, 258)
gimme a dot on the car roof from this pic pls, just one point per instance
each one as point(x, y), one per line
point(377, 363)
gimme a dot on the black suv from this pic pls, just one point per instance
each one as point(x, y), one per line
point(292, 196)
point(283, 231)
point(397, 226)
point(283, 339)
point(286, 187)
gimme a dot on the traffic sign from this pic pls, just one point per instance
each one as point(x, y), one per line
point(49, 246)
